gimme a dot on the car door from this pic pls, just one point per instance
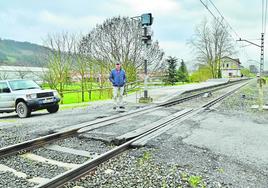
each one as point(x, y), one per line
point(6, 97)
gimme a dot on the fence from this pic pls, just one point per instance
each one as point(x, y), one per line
point(75, 96)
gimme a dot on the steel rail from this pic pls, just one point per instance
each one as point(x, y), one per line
point(143, 141)
point(40, 141)
point(90, 165)
point(43, 140)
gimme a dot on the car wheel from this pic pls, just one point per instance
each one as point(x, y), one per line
point(53, 109)
point(23, 110)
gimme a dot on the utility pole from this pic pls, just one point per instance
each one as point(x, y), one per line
point(260, 80)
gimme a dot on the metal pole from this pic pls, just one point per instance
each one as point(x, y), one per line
point(145, 66)
point(145, 80)
point(260, 80)
point(260, 73)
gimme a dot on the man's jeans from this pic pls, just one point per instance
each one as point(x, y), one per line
point(118, 95)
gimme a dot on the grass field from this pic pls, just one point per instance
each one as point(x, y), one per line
point(76, 97)
point(72, 95)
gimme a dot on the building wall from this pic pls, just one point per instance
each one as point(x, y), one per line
point(227, 73)
point(230, 68)
point(230, 65)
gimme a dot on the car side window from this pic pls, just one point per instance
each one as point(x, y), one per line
point(4, 87)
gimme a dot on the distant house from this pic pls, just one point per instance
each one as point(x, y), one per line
point(20, 72)
point(253, 69)
point(230, 67)
point(265, 73)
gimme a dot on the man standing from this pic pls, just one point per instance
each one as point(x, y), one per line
point(118, 79)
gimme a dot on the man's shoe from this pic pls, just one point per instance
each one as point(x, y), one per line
point(122, 107)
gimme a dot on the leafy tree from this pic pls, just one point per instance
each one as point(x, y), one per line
point(182, 73)
point(246, 72)
point(203, 73)
point(171, 77)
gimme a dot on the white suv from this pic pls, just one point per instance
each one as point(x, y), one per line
point(25, 96)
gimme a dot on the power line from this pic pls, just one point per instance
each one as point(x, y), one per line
point(218, 19)
point(262, 15)
point(208, 9)
point(265, 17)
point(224, 18)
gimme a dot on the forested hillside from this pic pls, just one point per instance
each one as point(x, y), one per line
point(21, 53)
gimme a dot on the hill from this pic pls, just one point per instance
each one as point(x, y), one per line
point(21, 53)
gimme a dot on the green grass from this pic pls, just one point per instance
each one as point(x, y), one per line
point(77, 86)
point(195, 181)
point(76, 97)
point(73, 106)
point(71, 96)
point(7, 120)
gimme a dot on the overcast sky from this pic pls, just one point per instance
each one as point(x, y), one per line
point(174, 20)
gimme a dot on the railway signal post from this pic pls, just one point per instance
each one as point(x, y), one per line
point(146, 22)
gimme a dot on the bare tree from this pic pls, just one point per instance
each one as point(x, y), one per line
point(59, 60)
point(3, 75)
point(22, 74)
point(119, 40)
point(81, 65)
point(212, 41)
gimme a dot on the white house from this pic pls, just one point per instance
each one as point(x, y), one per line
point(230, 67)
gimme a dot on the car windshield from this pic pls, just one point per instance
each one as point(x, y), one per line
point(23, 84)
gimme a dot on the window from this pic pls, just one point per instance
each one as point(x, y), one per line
point(4, 87)
point(23, 85)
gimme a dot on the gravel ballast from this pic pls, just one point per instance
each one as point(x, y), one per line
point(137, 168)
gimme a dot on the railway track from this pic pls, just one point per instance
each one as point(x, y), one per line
point(138, 136)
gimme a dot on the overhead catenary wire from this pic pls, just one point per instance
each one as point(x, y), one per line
point(262, 15)
point(224, 18)
point(224, 26)
point(265, 16)
point(208, 9)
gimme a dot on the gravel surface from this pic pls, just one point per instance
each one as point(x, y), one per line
point(8, 179)
point(32, 168)
point(59, 156)
point(96, 147)
point(92, 146)
point(198, 102)
point(240, 103)
point(137, 168)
